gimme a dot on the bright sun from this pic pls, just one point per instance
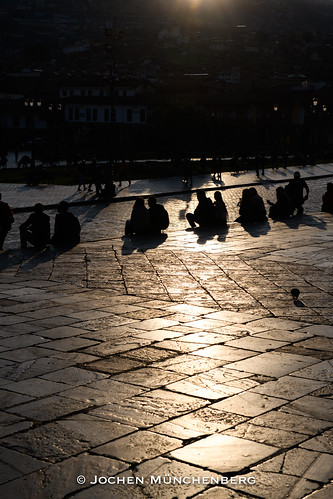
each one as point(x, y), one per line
point(194, 4)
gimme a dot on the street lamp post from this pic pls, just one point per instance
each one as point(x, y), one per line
point(33, 107)
point(318, 112)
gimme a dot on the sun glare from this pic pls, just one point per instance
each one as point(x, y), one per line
point(194, 4)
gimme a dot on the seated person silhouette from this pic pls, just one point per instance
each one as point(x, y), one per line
point(204, 214)
point(159, 218)
point(221, 212)
point(139, 223)
point(6, 220)
point(66, 227)
point(283, 206)
point(251, 207)
point(327, 205)
point(36, 229)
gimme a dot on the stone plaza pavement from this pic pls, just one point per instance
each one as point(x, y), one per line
point(176, 367)
point(23, 196)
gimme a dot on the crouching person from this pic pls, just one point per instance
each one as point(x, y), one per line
point(36, 229)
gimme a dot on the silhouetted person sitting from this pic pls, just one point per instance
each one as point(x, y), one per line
point(221, 213)
point(204, 214)
point(244, 206)
point(251, 207)
point(283, 207)
point(36, 229)
point(6, 220)
point(139, 222)
point(258, 206)
point(66, 227)
point(159, 218)
point(295, 190)
point(328, 199)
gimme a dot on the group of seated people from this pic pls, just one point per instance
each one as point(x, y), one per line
point(214, 214)
point(207, 213)
point(145, 220)
point(36, 229)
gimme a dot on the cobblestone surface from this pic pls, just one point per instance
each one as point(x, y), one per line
point(181, 357)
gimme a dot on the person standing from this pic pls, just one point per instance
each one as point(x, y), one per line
point(6, 220)
point(295, 190)
point(123, 173)
point(82, 175)
point(92, 174)
point(36, 229)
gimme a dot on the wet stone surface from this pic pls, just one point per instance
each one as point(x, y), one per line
point(179, 357)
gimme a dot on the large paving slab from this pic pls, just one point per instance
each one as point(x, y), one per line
point(177, 368)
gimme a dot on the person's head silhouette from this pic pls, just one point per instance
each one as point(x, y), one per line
point(38, 208)
point(152, 201)
point(63, 207)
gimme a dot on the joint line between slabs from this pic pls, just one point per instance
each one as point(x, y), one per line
point(235, 282)
point(121, 268)
point(197, 280)
point(158, 275)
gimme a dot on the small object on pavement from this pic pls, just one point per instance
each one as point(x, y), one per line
point(295, 293)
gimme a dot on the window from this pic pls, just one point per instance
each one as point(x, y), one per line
point(142, 115)
point(29, 122)
point(64, 93)
point(106, 114)
point(16, 121)
point(129, 117)
point(94, 114)
point(88, 114)
point(76, 114)
point(70, 114)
